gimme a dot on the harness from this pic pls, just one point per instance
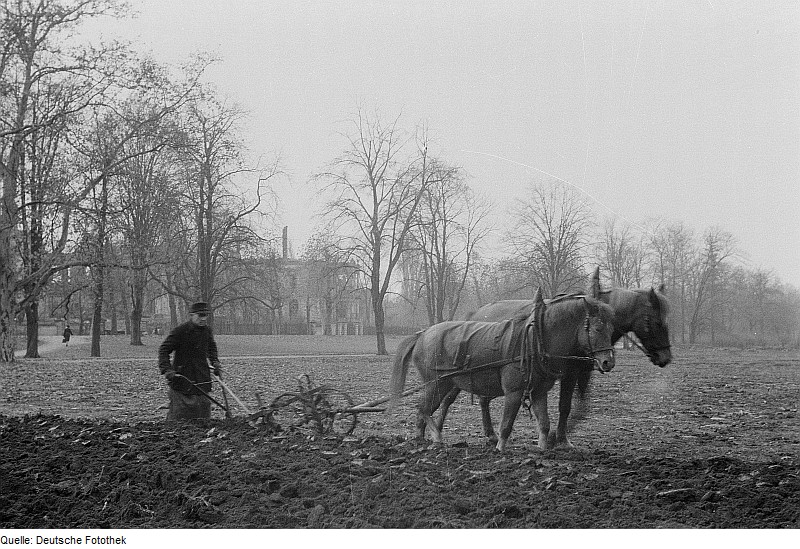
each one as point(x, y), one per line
point(534, 358)
point(648, 331)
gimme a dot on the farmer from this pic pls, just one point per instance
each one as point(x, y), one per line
point(67, 334)
point(194, 347)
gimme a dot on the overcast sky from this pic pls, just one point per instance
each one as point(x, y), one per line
point(686, 111)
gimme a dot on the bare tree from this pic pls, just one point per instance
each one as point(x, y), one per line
point(550, 236)
point(54, 95)
point(376, 193)
point(672, 250)
point(146, 201)
point(620, 254)
point(34, 66)
point(706, 278)
point(228, 222)
point(451, 225)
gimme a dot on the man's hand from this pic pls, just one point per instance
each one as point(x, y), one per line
point(169, 374)
point(217, 369)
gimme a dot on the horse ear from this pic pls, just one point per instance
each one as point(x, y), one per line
point(538, 298)
point(593, 289)
point(654, 301)
point(662, 289)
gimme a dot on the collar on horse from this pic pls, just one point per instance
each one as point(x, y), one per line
point(535, 358)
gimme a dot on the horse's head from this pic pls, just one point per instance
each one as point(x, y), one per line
point(580, 327)
point(595, 337)
point(650, 326)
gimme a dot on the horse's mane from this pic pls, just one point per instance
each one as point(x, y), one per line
point(570, 308)
point(663, 304)
point(625, 295)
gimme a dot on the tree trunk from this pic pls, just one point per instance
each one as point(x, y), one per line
point(126, 315)
point(114, 322)
point(81, 312)
point(137, 309)
point(136, 326)
point(7, 334)
point(328, 313)
point(32, 329)
point(173, 306)
point(377, 307)
point(97, 315)
point(9, 213)
point(98, 271)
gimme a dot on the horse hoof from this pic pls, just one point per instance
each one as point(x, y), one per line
point(543, 446)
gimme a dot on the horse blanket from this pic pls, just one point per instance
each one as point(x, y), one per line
point(468, 344)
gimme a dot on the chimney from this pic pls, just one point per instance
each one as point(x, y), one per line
point(286, 242)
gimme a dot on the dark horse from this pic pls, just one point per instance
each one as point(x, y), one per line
point(518, 358)
point(642, 311)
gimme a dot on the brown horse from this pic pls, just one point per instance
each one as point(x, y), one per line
point(642, 311)
point(518, 358)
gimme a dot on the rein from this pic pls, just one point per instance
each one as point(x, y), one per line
point(649, 329)
point(533, 343)
point(636, 344)
point(543, 358)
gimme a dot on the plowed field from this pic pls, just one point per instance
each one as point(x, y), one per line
point(711, 441)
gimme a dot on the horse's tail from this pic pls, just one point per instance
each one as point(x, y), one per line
point(400, 369)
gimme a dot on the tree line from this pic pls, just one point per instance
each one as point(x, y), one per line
point(122, 178)
point(422, 239)
point(125, 180)
point(556, 238)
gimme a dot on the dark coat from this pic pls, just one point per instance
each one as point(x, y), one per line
point(67, 334)
point(194, 346)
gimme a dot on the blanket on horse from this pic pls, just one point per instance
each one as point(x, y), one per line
point(472, 344)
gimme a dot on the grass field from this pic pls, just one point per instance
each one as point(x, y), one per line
point(119, 346)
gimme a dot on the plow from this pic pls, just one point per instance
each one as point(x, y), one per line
point(321, 409)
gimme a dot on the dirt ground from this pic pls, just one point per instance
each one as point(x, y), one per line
point(711, 441)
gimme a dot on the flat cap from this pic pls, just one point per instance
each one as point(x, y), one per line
point(199, 307)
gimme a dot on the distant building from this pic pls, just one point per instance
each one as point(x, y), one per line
point(323, 297)
point(310, 297)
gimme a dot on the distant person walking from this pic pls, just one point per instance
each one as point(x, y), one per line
point(67, 334)
point(194, 347)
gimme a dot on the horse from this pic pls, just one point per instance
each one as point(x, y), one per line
point(641, 311)
point(519, 358)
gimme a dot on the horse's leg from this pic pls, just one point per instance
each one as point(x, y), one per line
point(584, 389)
point(539, 407)
point(449, 398)
point(488, 428)
point(511, 406)
point(428, 404)
point(567, 388)
point(486, 415)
